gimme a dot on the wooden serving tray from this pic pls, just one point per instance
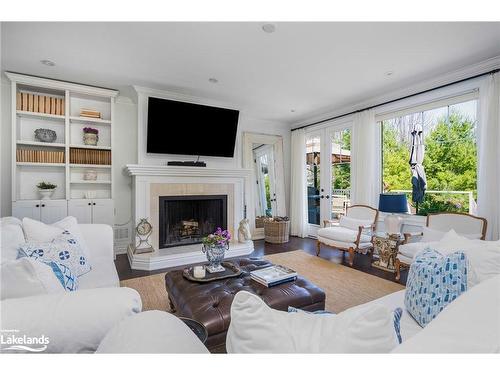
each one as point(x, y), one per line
point(231, 271)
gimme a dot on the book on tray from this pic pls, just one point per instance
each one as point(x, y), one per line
point(273, 275)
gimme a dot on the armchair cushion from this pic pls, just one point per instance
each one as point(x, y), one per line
point(352, 223)
point(11, 237)
point(342, 234)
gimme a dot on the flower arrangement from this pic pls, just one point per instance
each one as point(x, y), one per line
point(46, 185)
point(219, 238)
point(90, 130)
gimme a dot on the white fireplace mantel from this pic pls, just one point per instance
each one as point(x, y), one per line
point(151, 181)
point(174, 171)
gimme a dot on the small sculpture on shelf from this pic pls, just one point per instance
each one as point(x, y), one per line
point(45, 135)
point(244, 231)
point(143, 231)
point(90, 175)
point(46, 189)
point(90, 136)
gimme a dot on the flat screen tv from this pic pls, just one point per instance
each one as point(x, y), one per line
point(190, 129)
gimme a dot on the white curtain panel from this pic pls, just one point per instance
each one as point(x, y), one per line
point(365, 159)
point(488, 182)
point(298, 190)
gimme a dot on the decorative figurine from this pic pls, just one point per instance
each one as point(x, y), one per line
point(244, 231)
point(143, 230)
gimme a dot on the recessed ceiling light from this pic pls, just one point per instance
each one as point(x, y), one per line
point(213, 80)
point(269, 28)
point(389, 73)
point(292, 110)
point(48, 62)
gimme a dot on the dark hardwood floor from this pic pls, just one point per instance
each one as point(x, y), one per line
point(361, 262)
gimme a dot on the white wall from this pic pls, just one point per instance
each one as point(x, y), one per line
point(125, 151)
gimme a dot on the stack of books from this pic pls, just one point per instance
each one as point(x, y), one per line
point(86, 156)
point(274, 275)
point(29, 102)
point(90, 113)
point(39, 156)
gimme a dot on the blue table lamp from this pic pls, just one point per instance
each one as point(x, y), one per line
point(393, 204)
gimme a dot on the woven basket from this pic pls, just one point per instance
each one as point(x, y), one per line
point(276, 231)
point(259, 221)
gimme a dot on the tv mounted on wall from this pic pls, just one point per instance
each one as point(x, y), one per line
point(190, 129)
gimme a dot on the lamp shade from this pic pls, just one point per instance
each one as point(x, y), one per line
point(394, 203)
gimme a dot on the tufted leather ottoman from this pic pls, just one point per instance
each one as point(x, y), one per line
point(210, 303)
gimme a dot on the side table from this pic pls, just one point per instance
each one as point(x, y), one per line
point(387, 247)
point(198, 329)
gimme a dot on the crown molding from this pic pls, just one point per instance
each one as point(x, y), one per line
point(440, 80)
point(177, 171)
point(60, 85)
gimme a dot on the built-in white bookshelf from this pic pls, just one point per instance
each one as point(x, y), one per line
point(67, 159)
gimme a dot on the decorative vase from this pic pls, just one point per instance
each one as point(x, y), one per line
point(46, 193)
point(215, 256)
point(90, 139)
point(90, 175)
point(45, 135)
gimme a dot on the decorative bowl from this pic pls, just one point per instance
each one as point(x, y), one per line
point(90, 175)
point(45, 135)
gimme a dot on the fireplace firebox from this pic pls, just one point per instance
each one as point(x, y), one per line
point(185, 220)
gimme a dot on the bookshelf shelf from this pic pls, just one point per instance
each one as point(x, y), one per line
point(40, 115)
point(90, 147)
point(31, 164)
point(90, 119)
point(96, 182)
point(41, 144)
point(89, 166)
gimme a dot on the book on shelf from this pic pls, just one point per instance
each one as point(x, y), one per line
point(35, 103)
point(52, 106)
point(30, 102)
point(41, 103)
point(24, 101)
point(19, 101)
point(273, 275)
point(90, 113)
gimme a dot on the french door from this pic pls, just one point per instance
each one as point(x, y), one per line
point(328, 175)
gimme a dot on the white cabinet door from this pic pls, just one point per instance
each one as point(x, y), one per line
point(81, 209)
point(103, 211)
point(22, 209)
point(53, 210)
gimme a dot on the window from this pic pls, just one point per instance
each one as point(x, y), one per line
point(450, 160)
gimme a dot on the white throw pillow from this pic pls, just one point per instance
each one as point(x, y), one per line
point(27, 277)
point(257, 328)
point(11, 236)
point(74, 322)
point(351, 223)
point(147, 332)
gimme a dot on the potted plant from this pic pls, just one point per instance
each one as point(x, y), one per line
point(215, 246)
point(46, 189)
point(90, 136)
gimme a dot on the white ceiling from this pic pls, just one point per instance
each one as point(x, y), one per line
point(308, 67)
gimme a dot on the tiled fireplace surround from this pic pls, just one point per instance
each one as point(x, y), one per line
point(152, 182)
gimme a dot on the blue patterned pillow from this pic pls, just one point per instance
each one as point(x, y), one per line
point(65, 276)
point(433, 282)
point(63, 250)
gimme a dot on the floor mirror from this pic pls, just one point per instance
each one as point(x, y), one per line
point(265, 193)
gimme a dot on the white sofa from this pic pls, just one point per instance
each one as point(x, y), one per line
point(75, 321)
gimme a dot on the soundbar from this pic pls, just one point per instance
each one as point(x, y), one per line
point(187, 163)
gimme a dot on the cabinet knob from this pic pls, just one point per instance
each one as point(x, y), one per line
point(43, 205)
point(93, 204)
point(37, 205)
point(89, 204)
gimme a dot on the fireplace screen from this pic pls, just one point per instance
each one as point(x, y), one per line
point(185, 220)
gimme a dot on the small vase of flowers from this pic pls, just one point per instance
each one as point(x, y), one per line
point(215, 246)
point(46, 189)
point(90, 136)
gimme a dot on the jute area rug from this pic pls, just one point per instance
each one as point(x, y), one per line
point(344, 286)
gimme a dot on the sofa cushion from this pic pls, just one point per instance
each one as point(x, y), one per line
point(37, 231)
point(257, 328)
point(151, 332)
point(471, 324)
point(433, 282)
point(64, 249)
point(11, 237)
point(74, 322)
point(103, 275)
point(27, 277)
point(342, 234)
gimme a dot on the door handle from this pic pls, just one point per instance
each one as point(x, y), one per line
point(327, 197)
point(322, 196)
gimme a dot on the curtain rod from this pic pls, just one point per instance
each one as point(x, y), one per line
point(395, 100)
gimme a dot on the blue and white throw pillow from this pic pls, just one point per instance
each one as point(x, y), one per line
point(64, 250)
point(433, 282)
point(65, 276)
